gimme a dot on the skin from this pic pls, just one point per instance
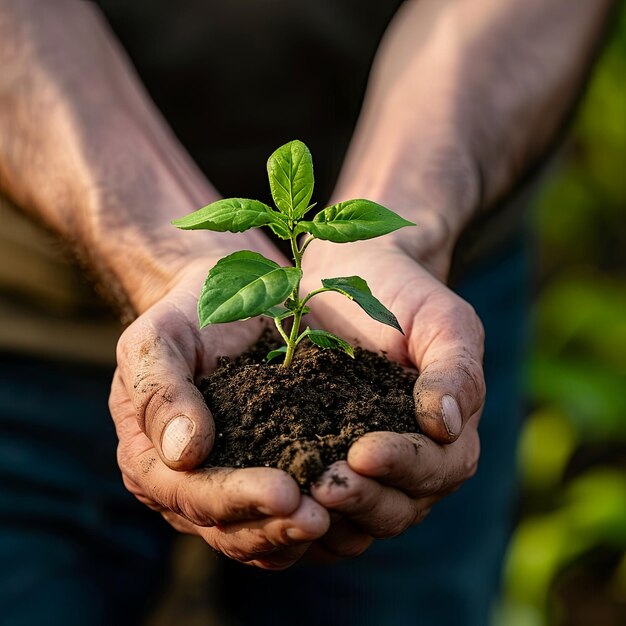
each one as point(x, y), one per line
point(256, 515)
point(460, 104)
point(440, 139)
point(392, 480)
point(105, 173)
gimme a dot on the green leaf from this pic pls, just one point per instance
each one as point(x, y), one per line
point(277, 312)
point(279, 229)
point(231, 214)
point(276, 353)
point(353, 220)
point(290, 170)
point(242, 285)
point(357, 289)
point(324, 340)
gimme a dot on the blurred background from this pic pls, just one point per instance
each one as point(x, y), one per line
point(566, 563)
point(567, 558)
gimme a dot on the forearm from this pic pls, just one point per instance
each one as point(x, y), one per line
point(464, 97)
point(84, 150)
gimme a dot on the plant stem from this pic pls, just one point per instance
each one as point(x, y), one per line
point(293, 337)
point(281, 330)
point(321, 290)
point(297, 254)
point(298, 305)
point(307, 241)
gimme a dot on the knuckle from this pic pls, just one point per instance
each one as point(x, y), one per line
point(473, 380)
point(472, 369)
point(433, 484)
point(123, 459)
point(178, 524)
point(134, 467)
point(358, 549)
point(179, 502)
point(122, 346)
point(131, 340)
point(131, 485)
point(391, 528)
point(470, 465)
point(479, 326)
point(149, 503)
point(135, 489)
point(254, 548)
point(350, 549)
point(229, 549)
point(478, 379)
point(434, 479)
point(154, 396)
point(463, 309)
point(421, 515)
point(280, 559)
point(270, 565)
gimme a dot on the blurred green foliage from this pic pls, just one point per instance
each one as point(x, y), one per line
point(567, 560)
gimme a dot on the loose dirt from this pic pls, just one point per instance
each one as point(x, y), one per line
point(304, 418)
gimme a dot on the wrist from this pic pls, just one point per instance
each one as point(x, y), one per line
point(146, 274)
point(411, 159)
point(136, 255)
point(430, 242)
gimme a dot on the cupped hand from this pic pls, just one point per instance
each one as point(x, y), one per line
point(391, 480)
point(165, 430)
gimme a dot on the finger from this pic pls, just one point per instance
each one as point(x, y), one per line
point(266, 544)
point(169, 408)
point(179, 523)
point(272, 543)
point(282, 559)
point(204, 497)
point(217, 495)
point(451, 385)
point(326, 552)
point(378, 510)
point(413, 463)
point(345, 540)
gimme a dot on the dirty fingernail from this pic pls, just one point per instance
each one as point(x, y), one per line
point(176, 437)
point(451, 415)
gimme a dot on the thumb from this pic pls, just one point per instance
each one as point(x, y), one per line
point(158, 376)
point(451, 385)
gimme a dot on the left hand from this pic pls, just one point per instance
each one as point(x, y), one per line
point(254, 515)
point(393, 479)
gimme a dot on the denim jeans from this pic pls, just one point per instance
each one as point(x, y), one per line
point(76, 549)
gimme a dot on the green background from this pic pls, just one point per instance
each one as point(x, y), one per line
point(567, 560)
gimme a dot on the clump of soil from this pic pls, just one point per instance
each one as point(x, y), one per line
point(303, 418)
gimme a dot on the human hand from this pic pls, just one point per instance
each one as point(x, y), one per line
point(253, 515)
point(391, 480)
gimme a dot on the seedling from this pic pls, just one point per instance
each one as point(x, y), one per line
point(245, 284)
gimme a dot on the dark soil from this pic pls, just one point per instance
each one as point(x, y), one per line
point(303, 418)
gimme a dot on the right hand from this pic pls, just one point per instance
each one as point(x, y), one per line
point(253, 515)
point(390, 480)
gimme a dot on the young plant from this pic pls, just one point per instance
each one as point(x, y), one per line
point(245, 284)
